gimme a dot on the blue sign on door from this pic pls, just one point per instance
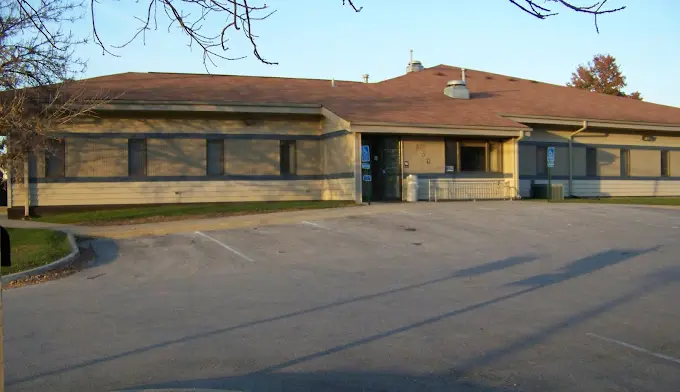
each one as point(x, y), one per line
point(367, 178)
point(365, 153)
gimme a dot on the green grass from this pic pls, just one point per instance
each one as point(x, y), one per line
point(650, 201)
point(144, 214)
point(35, 247)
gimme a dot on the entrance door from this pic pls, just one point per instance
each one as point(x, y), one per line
point(385, 167)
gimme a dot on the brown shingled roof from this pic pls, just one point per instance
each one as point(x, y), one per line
point(414, 98)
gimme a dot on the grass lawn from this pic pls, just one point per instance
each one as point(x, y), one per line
point(650, 201)
point(126, 215)
point(35, 247)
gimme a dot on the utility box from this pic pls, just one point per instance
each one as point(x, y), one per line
point(412, 188)
point(541, 191)
point(557, 193)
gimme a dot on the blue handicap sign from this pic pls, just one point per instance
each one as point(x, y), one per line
point(366, 177)
point(365, 153)
point(551, 153)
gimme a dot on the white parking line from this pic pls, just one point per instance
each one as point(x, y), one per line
point(225, 246)
point(315, 225)
point(636, 348)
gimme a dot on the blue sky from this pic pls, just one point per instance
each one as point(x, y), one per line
point(323, 39)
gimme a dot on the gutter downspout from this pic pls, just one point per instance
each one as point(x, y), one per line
point(571, 155)
point(515, 174)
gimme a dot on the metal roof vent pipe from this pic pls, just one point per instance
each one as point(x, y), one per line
point(457, 89)
point(414, 65)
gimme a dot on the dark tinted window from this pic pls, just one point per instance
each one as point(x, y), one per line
point(215, 157)
point(287, 157)
point(591, 162)
point(137, 157)
point(541, 160)
point(55, 159)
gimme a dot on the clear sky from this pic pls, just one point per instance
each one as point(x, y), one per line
point(323, 39)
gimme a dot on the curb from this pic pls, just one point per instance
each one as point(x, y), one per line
point(75, 252)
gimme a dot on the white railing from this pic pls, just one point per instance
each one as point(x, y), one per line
point(436, 189)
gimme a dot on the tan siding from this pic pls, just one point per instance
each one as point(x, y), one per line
point(204, 124)
point(645, 163)
point(594, 188)
point(579, 161)
point(674, 163)
point(527, 160)
point(426, 155)
point(258, 157)
point(190, 192)
point(104, 157)
point(308, 157)
point(175, 157)
point(608, 162)
point(338, 154)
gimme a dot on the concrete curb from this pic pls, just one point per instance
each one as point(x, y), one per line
point(75, 252)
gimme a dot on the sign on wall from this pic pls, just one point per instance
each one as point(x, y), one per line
point(551, 157)
point(365, 153)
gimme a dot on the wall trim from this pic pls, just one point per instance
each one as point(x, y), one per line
point(579, 144)
point(226, 177)
point(598, 178)
point(593, 122)
point(202, 136)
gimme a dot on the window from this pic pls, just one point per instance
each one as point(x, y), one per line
point(665, 163)
point(473, 157)
point(541, 160)
point(625, 162)
point(287, 157)
point(451, 156)
point(214, 157)
point(137, 157)
point(495, 157)
point(591, 162)
point(55, 159)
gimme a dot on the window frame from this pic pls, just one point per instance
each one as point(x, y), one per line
point(145, 161)
point(289, 147)
point(208, 159)
point(665, 163)
point(624, 160)
point(591, 169)
point(542, 161)
point(55, 152)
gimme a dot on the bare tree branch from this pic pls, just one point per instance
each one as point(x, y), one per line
point(542, 12)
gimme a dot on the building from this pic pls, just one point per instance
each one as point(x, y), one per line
point(182, 138)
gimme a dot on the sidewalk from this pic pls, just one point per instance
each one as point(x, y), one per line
point(207, 224)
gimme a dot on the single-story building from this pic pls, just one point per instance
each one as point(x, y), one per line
point(466, 134)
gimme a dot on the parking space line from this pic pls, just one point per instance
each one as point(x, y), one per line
point(636, 348)
point(225, 246)
point(314, 224)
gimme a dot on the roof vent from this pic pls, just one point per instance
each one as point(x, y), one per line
point(457, 89)
point(414, 65)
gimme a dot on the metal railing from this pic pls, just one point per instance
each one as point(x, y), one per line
point(452, 189)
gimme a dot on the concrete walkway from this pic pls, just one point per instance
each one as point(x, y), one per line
point(208, 224)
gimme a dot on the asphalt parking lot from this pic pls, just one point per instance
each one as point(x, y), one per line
point(488, 297)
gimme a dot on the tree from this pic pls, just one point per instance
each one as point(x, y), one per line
point(195, 18)
point(602, 75)
point(37, 66)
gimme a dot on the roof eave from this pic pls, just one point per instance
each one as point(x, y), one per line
point(208, 106)
point(594, 123)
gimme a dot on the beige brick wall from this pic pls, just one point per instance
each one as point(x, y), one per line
point(251, 157)
point(338, 154)
point(308, 157)
point(103, 157)
point(579, 161)
point(202, 123)
point(175, 157)
point(527, 160)
point(608, 162)
point(424, 155)
point(645, 163)
point(674, 163)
